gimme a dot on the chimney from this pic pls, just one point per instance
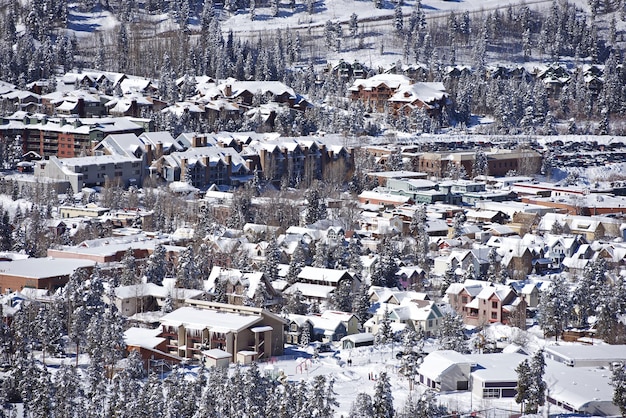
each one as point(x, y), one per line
point(229, 167)
point(149, 154)
point(228, 90)
point(249, 163)
point(183, 168)
point(159, 150)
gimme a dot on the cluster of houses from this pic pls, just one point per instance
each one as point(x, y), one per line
point(224, 160)
point(578, 377)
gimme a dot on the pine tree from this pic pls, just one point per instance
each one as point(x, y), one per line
point(537, 390)
point(361, 304)
point(412, 345)
point(129, 268)
point(554, 308)
point(272, 260)
point(480, 166)
point(187, 275)
point(353, 25)
point(384, 334)
point(398, 19)
point(618, 380)
point(383, 399)
point(587, 292)
point(315, 209)
point(68, 393)
point(296, 264)
point(425, 406)
point(451, 333)
point(341, 298)
point(524, 381)
point(155, 269)
point(362, 407)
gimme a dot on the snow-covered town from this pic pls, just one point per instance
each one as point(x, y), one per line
point(312, 209)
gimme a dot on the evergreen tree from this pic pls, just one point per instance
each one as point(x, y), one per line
point(451, 333)
point(618, 380)
point(383, 399)
point(587, 292)
point(361, 303)
point(68, 392)
point(480, 166)
point(315, 209)
point(554, 308)
point(384, 334)
point(341, 298)
point(353, 25)
point(362, 407)
point(398, 18)
point(296, 264)
point(129, 269)
point(272, 260)
point(412, 345)
point(187, 275)
point(156, 265)
point(524, 381)
point(425, 406)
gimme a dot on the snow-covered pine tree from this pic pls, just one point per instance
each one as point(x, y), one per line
point(353, 25)
point(315, 208)
point(425, 406)
point(587, 292)
point(480, 166)
point(383, 399)
point(362, 407)
point(537, 389)
point(398, 18)
point(384, 334)
point(296, 264)
point(555, 308)
point(155, 269)
point(129, 269)
point(187, 275)
point(341, 298)
point(524, 381)
point(68, 392)
point(410, 361)
point(361, 303)
point(451, 334)
point(618, 381)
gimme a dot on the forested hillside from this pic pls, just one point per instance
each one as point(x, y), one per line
point(166, 40)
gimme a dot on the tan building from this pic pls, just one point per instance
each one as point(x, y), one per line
point(208, 325)
point(499, 162)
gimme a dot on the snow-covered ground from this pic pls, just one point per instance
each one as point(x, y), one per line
point(367, 364)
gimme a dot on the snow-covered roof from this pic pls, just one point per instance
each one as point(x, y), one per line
point(580, 387)
point(436, 363)
point(143, 337)
point(218, 321)
point(321, 274)
point(310, 290)
point(426, 92)
point(393, 81)
point(40, 268)
point(496, 367)
point(151, 289)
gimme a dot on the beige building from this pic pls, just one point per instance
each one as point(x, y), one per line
point(208, 325)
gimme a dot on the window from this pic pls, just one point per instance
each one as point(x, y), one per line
point(494, 305)
point(494, 315)
point(491, 393)
point(464, 299)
